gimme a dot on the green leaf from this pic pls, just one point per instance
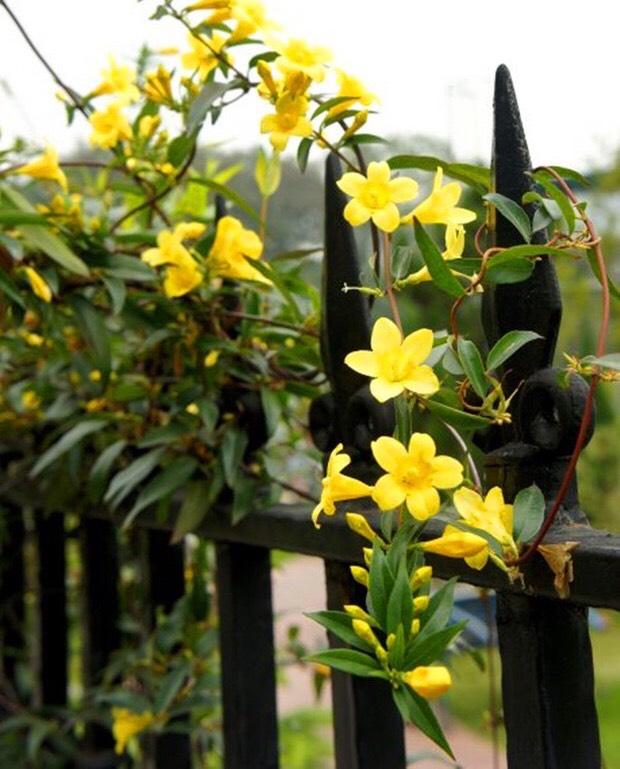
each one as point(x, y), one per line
point(459, 419)
point(11, 218)
point(127, 479)
point(340, 624)
point(170, 687)
point(517, 252)
point(610, 361)
point(178, 472)
point(396, 654)
point(349, 661)
point(358, 138)
point(272, 408)
point(471, 360)
point(507, 346)
point(93, 330)
point(431, 648)
point(233, 447)
point(275, 277)
point(415, 710)
point(528, 513)
point(439, 610)
point(568, 173)
point(11, 290)
point(180, 148)
point(37, 734)
point(163, 435)
point(613, 290)
point(562, 201)
point(513, 271)
point(42, 238)
point(200, 105)
point(475, 176)
point(400, 603)
point(303, 151)
point(267, 172)
point(512, 212)
point(101, 468)
point(328, 104)
point(70, 439)
point(244, 497)
point(118, 293)
point(199, 499)
point(128, 268)
point(439, 270)
point(379, 585)
point(228, 193)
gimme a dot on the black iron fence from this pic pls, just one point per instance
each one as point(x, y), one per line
point(547, 673)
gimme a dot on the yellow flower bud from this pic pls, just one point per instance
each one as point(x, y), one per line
point(34, 340)
point(363, 630)
point(192, 408)
point(420, 577)
point(428, 682)
point(360, 525)
point(415, 626)
point(95, 375)
point(30, 400)
point(148, 125)
point(421, 603)
point(367, 555)
point(211, 358)
point(390, 640)
point(358, 613)
point(359, 575)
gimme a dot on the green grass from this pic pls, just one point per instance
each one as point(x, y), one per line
point(469, 697)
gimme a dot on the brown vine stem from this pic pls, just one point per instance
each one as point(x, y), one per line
point(389, 280)
point(73, 95)
point(589, 405)
point(332, 148)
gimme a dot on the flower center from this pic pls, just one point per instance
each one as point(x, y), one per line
point(375, 195)
point(395, 366)
point(415, 475)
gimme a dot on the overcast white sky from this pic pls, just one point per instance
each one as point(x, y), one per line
point(432, 64)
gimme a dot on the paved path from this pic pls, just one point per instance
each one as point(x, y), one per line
point(298, 587)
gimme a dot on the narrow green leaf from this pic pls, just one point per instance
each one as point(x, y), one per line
point(199, 499)
point(12, 218)
point(439, 610)
point(244, 497)
point(379, 586)
point(118, 293)
point(610, 361)
point(528, 513)
point(93, 330)
point(180, 148)
point(328, 104)
point(233, 447)
point(170, 687)
point(267, 172)
point(228, 193)
point(101, 468)
point(562, 201)
point(70, 439)
point(513, 271)
point(200, 105)
point(339, 623)
point(272, 407)
point(431, 648)
point(512, 212)
point(349, 661)
point(400, 603)
point(42, 238)
point(459, 419)
point(474, 176)
point(416, 710)
point(471, 361)
point(127, 479)
point(507, 346)
point(592, 260)
point(10, 289)
point(439, 270)
point(303, 152)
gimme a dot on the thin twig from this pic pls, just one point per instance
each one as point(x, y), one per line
point(387, 277)
point(73, 95)
point(470, 460)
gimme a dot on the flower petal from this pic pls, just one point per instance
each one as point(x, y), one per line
point(388, 453)
point(422, 380)
point(388, 218)
point(387, 493)
point(352, 184)
point(478, 561)
point(460, 216)
point(355, 213)
point(403, 189)
point(423, 503)
point(386, 336)
point(382, 390)
point(343, 487)
point(378, 172)
point(418, 345)
point(467, 503)
point(447, 472)
point(422, 447)
point(364, 362)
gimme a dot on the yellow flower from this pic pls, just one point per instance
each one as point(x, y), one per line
point(30, 400)
point(250, 15)
point(211, 358)
point(34, 340)
point(119, 80)
point(338, 487)
point(394, 363)
point(38, 285)
point(182, 272)
point(193, 409)
point(67, 211)
point(413, 475)
point(95, 375)
point(375, 196)
point(232, 248)
point(109, 127)
point(350, 86)
point(455, 243)
point(127, 724)
point(148, 125)
point(455, 543)
point(428, 682)
point(45, 167)
point(490, 514)
point(440, 206)
point(289, 120)
point(297, 56)
point(206, 53)
point(158, 87)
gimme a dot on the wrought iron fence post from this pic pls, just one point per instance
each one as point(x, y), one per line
point(547, 673)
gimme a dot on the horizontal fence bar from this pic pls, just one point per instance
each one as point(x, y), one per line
point(596, 559)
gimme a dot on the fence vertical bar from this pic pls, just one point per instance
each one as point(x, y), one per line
point(100, 568)
point(52, 609)
point(12, 588)
point(166, 578)
point(368, 729)
point(547, 673)
point(248, 657)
